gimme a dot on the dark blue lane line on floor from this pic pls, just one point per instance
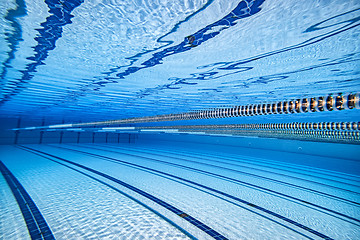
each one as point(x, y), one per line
point(236, 180)
point(196, 184)
point(242, 166)
point(35, 222)
point(117, 190)
point(162, 203)
point(175, 180)
point(266, 190)
point(261, 162)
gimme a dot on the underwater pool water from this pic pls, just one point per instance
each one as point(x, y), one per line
point(196, 119)
point(149, 191)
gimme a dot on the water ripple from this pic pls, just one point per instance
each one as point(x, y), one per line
point(50, 32)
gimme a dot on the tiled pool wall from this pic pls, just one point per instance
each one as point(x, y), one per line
point(8, 136)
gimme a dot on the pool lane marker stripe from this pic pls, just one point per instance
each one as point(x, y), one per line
point(162, 203)
point(281, 195)
point(242, 165)
point(211, 174)
point(115, 189)
point(260, 162)
point(172, 179)
point(236, 180)
point(197, 184)
point(35, 222)
point(295, 199)
point(234, 170)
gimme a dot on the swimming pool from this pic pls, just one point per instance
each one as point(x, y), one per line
point(179, 119)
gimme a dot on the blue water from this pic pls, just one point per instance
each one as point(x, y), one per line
point(83, 61)
point(86, 60)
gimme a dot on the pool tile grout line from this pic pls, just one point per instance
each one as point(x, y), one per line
point(35, 222)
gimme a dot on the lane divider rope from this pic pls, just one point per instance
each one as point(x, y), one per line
point(331, 102)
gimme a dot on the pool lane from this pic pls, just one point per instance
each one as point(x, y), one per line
point(287, 173)
point(35, 222)
point(237, 225)
point(230, 155)
point(301, 201)
point(162, 203)
point(77, 207)
point(222, 215)
point(335, 191)
point(14, 227)
point(338, 228)
point(248, 204)
point(249, 173)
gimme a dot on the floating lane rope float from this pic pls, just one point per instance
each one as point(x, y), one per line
point(330, 102)
point(318, 104)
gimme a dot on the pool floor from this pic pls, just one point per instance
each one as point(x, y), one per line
point(139, 191)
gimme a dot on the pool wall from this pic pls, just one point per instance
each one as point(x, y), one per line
point(8, 136)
